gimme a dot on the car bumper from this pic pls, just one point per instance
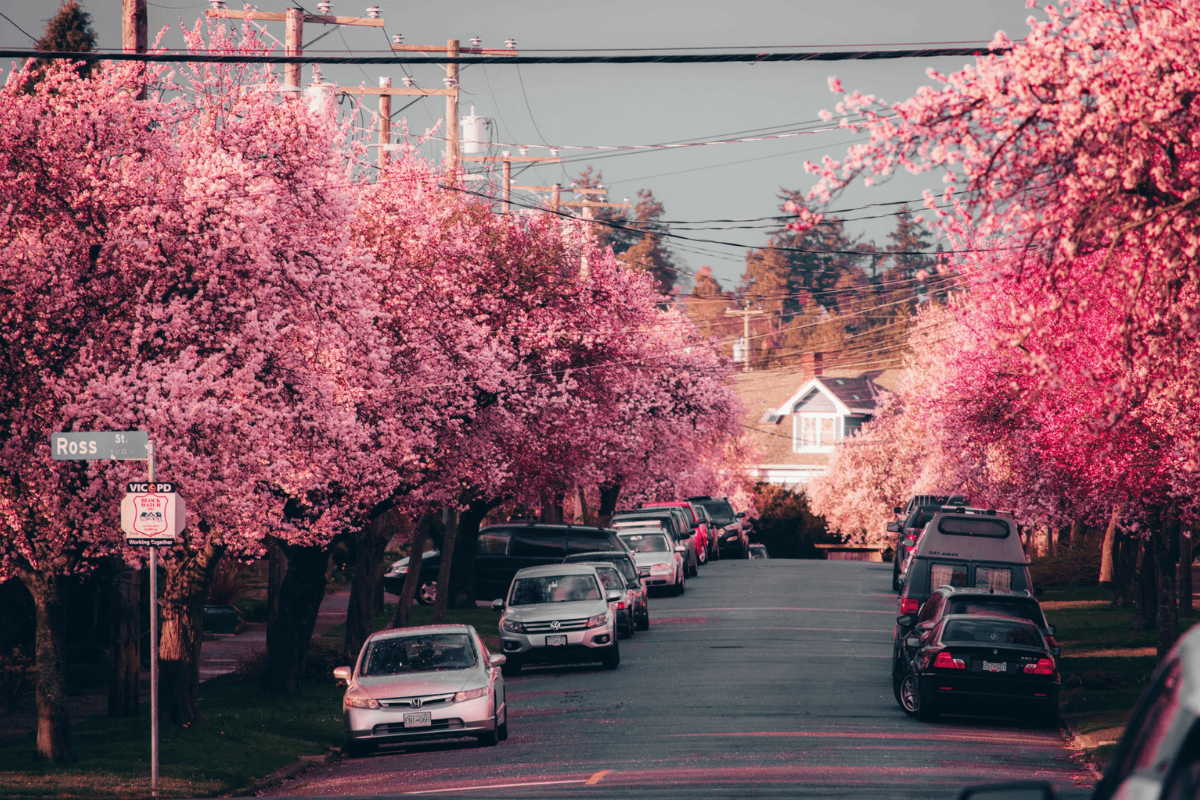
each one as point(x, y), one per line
point(984, 694)
point(585, 645)
point(448, 720)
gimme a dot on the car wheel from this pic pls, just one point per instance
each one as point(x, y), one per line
point(745, 551)
point(895, 576)
point(679, 587)
point(612, 659)
point(702, 554)
point(908, 694)
point(502, 731)
point(630, 628)
point(511, 667)
point(357, 749)
point(644, 621)
point(489, 739)
point(427, 593)
point(693, 570)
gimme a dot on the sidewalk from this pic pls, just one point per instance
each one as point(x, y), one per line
point(221, 653)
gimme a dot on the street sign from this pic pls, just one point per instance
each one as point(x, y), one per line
point(143, 487)
point(100, 445)
point(152, 518)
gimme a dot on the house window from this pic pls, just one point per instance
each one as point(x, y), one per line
point(815, 431)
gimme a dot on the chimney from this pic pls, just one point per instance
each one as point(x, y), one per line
point(812, 365)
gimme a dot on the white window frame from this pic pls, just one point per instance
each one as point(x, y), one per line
point(801, 445)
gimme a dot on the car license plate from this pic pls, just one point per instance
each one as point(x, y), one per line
point(421, 720)
point(994, 666)
point(556, 641)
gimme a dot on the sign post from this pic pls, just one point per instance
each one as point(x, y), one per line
point(151, 514)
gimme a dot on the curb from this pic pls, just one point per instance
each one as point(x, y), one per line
point(1085, 744)
point(302, 764)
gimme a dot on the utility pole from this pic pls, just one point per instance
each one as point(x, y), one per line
point(745, 314)
point(506, 160)
point(294, 19)
point(133, 32)
point(453, 50)
point(586, 206)
point(386, 92)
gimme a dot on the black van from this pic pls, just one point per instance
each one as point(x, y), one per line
point(505, 548)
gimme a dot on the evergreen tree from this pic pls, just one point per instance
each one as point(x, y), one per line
point(69, 31)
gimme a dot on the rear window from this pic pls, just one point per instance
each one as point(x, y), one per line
point(974, 526)
point(992, 631)
point(619, 560)
point(979, 606)
point(611, 578)
point(947, 575)
point(994, 578)
point(720, 511)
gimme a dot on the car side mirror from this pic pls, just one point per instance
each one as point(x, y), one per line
point(342, 673)
point(1053, 630)
point(1054, 651)
point(912, 641)
point(614, 594)
point(893, 527)
point(496, 660)
point(897, 510)
point(1016, 790)
point(1037, 590)
point(498, 605)
point(905, 620)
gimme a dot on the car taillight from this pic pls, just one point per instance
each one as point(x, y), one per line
point(909, 606)
point(947, 661)
point(909, 542)
point(1044, 666)
point(620, 604)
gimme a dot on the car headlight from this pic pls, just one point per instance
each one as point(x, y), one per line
point(662, 567)
point(470, 694)
point(511, 625)
point(360, 702)
point(598, 620)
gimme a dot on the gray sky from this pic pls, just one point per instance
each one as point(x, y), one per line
point(621, 105)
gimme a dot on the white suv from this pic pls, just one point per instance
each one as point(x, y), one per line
point(558, 613)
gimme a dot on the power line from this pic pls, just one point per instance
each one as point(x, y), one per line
point(682, 58)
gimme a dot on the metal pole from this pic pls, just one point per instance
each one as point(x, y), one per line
point(452, 110)
point(153, 644)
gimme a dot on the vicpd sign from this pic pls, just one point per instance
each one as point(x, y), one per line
point(152, 514)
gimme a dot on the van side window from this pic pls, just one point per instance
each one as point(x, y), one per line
point(947, 575)
point(590, 541)
point(537, 543)
point(493, 543)
point(994, 578)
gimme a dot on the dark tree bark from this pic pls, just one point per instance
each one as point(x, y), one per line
point(290, 632)
point(53, 725)
point(1166, 551)
point(1145, 593)
point(1125, 571)
point(276, 569)
point(552, 510)
point(609, 493)
point(412, 579)
point(367, 587)
point(462, 576)
point(584, 517)
point(125, 629)
point(1185, 572)
point(449, 541)
point(184, 591)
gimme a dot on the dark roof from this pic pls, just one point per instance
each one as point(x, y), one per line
point(855, 393)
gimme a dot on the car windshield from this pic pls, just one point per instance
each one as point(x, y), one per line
point(977, 606)
point(645, 542)
point(429, 652)
point(992, 631)
point(620, 561)
point(720, 511)
point(553, 589)
point(611, 578)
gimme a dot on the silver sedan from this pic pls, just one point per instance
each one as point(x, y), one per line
point(430, 682)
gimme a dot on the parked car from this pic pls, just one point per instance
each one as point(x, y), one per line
point(978, 664)
point(954, 600)
point(699, 522)
point(430, 682)
point(714, 546)
point(624, 562)
point(965, 547)
point(758, 551)
point(558, 614)
point(733, 537)
point(671, 521)
point(659, 560)
point(913, 518)
point(1158, 755)
point(612, 580)
point(504, 548)
point(393, 579)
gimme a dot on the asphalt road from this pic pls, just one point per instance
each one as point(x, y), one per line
point(766, 679)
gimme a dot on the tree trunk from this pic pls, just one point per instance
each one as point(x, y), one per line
point(53, 723)
point(1075, 533)
point(1106, 549)
point(609, 493)
point(462, 576)
point(1185, 572)
point(290, 633)
point(368, 577)
point(449, 541)
point(412, 579)
point(276, 568)
point(1124, 570)
point(1145, 594)
point(1166, 551)
point(125, 617)
point(184, 591)
point(552, 510)
point(581, 493)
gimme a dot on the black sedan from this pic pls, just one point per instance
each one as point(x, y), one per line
point(981, 665)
